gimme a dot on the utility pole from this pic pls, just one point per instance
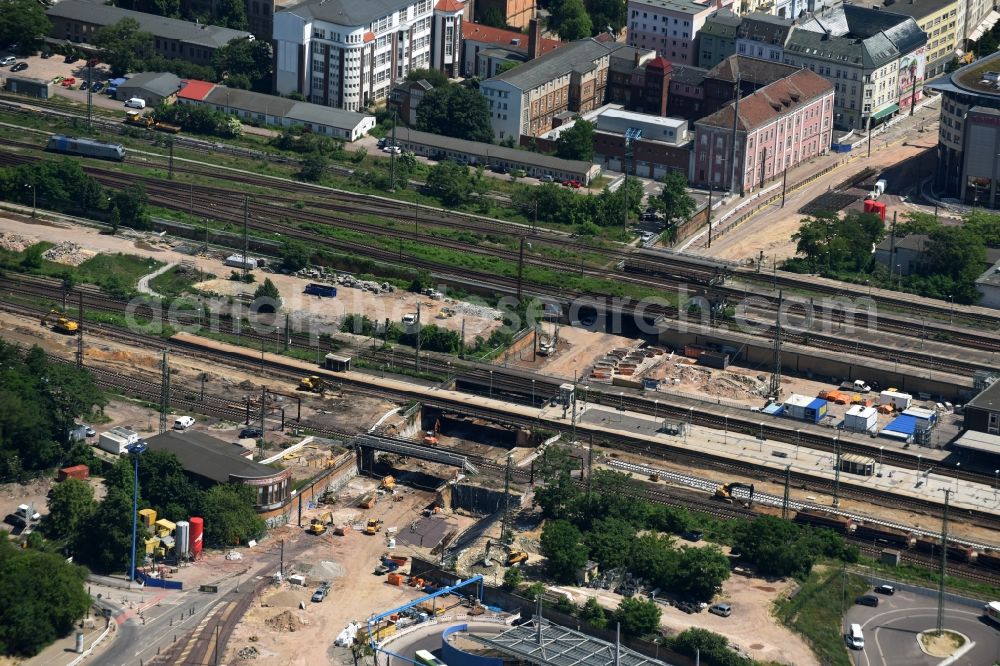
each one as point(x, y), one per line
point(869, 136)
point(416, 359)
point(164, 391)
point(710, 212)
point(784, 501)
point(392, 154)
point(944, 562)
point(520, 268)
point(774, 391)
point(90, 86)
point(263, 408)
point(784, 184)
point(836, 477)
point(736, 119)
point(246, 238)
point(79, 335)
point(461, 349)
point(508, 474)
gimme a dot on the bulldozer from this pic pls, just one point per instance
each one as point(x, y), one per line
point(516, 557)
point(62, 324)
point(313, 384)
point(725, 493)
point(388, 482)
point(373, 526)
point(318, 525)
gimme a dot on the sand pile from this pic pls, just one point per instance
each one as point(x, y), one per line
point(285, 621)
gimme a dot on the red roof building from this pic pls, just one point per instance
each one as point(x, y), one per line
point(195, 91)
point(477, 37)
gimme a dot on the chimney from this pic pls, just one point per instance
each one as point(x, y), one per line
point(534, 39)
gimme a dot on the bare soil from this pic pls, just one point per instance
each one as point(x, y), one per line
point(941, 645)
point(575, 353)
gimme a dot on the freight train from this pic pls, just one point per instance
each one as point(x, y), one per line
point(879, 534)
point(696, 270)
point(70, 145)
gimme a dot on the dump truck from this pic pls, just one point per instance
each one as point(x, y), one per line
point(313, 383)
point(516, 557)
point(373, 526)
point(725, 493)
point(62, 324)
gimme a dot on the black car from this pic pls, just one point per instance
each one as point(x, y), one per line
point(45, 55)
point(887, 590)
point(19, 67)
point(251, 433)
point(84, 85)
point(98, 87)
point(693, 536)
point(867, 600)
point(70, 59)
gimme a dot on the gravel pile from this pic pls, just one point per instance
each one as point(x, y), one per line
point(15, 242)
point(473, 310)
point(67, 252)
point(248, 653)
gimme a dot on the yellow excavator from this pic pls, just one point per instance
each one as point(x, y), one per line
point(318, 525)
point(725, 493)
point(516, 557)
point(62, 324)
point(313, 384)
point(373, 526)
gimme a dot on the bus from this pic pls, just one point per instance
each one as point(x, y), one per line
point(992, 611)
point(425, 658)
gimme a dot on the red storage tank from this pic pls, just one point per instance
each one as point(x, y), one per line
point(879, 208)
point(197, 534)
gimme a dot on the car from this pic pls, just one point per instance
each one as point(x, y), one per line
point(19, 67)
point(135, 103)
point(887, 590)
point(855, 638)
point(396, 150)
point(9, 60)
point(722, 610)
point(84, 85)
point(68, 81)
point(381, 143)
point(57, 80)
point(251, 433)
point(499, 168)
point(70, 59)
point(518, 173)
point(575, 184)
point(867, 600)
point(319, 595)
point(90, 431)
point(546, 179)
point(45, 55)
point(97, 87)
point(693, 536)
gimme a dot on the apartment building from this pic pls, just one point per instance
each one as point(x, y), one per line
point(347, 54)
point(940, 20)
point(874, 59)
point(969, 133)
point(763, 36)
point(668, 26)
point(503, 44)
point(717, 38)
point(779, 126)
point(573, 78)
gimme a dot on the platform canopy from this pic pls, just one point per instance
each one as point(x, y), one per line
point(547, 644)
point(979, 441)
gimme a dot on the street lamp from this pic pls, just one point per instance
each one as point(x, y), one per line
point(532, 392)
point(996, 475)
point(798, 440)
point(880, 449)
point(135, 450)
point(491, 384)
point(725, 433)
point(621, 407)
point(656, 408)
point(34, 208)
point(958, 469)
point(951, 308)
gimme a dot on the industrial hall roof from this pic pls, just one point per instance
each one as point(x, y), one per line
point(210, 458)
point(545, 644)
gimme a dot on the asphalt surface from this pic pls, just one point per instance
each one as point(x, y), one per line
point(891, 631)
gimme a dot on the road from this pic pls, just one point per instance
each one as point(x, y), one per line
point(894, 152)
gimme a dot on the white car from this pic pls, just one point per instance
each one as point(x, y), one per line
point(135, 103)
point(9, 60)
point(393, 149)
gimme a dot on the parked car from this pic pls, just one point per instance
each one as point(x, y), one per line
point(135, 103)
point(381, 143)
point(499, 168)
point(867, 600)
point(392, 149)
point(575, 184)
point(887, 590)
point(722, 610)
point(251, 433)
point(84, 85)
point(546, 179)
point(66, 83)
point(57, 80)
point(693, 536)
point(70, 59)
point(319, 595)
point(90, 431)
point(97, 87)
point(19, 67)
point(46, 55)
point(9, 60)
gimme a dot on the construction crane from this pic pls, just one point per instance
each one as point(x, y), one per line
point(62, 324)
point(725, 493)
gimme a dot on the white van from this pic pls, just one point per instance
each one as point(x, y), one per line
point(855, 638)
point(135, 103)
point(183, 423)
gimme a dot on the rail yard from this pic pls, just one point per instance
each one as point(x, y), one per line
point(681, 383)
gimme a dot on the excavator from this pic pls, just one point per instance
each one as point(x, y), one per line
point(313, 384)
point(373, 526)
point(318, 525)
point(725, 493)
point(516, 557)
point(62, 324)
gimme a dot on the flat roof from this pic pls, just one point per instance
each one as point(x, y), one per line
point(978, 441)
point(988, 398)
point(861, 410)
point(545, 644)
point(208, 457)
point(904, 424)
point(856, 458)
point(646, 118)
point(799, 400)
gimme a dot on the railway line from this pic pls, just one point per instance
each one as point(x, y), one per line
point(514, 385)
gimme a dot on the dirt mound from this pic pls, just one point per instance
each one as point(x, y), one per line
point(67, 252)
point(285, 621)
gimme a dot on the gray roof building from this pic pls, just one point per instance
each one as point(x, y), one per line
point(576, 56)
point(856, 35)
point(347, 12)
point(723, 23)
point(154, 87)
point(764, 28)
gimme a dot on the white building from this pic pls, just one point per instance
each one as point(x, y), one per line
point(348, 53)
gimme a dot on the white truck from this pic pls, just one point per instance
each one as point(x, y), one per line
point(26, 514)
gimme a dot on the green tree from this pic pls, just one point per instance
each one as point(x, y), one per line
point(714, 648)
point(230, 14)
point(833, 244)
point(559, 493)
point(123, 46)
point(71, 504)
point(512, 579)
point(23, 22)
point(313, 167)
point(166, 487)
point(593, 614)
point(295, 255)
point(455, 111)
point(674, 202)
point(251, 59)
point(570, 19)
point(656, 559)
point(609, 541)
point(449, 182)
point(434, 77)
point(638, 617)
point(267, 298)
point(41, 597)
point(700, 572)
point(577, 143)
point(492, 17)
point(774, 546)
point(113, 521)
point(230, 518)
point(958, 255)
point(131, 204)
point(607, 13)
point(564, 550)
point(506, 66)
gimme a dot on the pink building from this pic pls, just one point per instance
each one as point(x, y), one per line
point(781, 125)
point(669, 26)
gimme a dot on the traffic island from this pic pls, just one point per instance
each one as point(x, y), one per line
point(944, 644)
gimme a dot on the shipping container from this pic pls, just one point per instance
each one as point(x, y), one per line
point(860, 419)
point(852, 463)
point(805, 408)
point(80, 472)
point(899, 401)
point(324, 290)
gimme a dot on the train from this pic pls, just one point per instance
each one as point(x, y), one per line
point(71, 145)
point(697, 270)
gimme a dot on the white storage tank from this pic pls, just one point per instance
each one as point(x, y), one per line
point(182, 533)
point(860, 418)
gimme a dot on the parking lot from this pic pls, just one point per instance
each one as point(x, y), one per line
point(47, 69)
point(891, 630)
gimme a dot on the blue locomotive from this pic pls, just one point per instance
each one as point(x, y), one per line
point(70, 145)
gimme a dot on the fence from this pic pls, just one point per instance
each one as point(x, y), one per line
point(158, 582)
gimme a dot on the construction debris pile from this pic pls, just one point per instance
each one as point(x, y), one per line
point(473, 310)
point(248, 653)
point(15, 242)
point(67, 252)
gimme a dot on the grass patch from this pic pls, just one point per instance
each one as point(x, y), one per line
point(923, 577)
point(177, 281)
point(126, 268)
point(817, 611)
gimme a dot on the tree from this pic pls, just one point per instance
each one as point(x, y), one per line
point(230, 14)
point(113, 521)
point(607, 13)
point(166, 486)
point(593, 614)
point(506, 66)
point(609, 541)
point(455, 111)
point(313, 167)
point(435, 77)
point(251, 59)
point(267, 298)
point(700, 572)
point(41, 597)
point(774, 546)
point(71, 504)
point(512, 579)
point(674, 201)
point(958, 255)
point(131, 204)
point(577, 143)
point(230, 518)
point(449, 182)
point(638, 617)
point(562, 545)
point(571, 21)
point(559, 492)
point(295, 255)
point(492, 17)
point(23, 22)
point(124, 46)
point(713, 648)
point(833, 244)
